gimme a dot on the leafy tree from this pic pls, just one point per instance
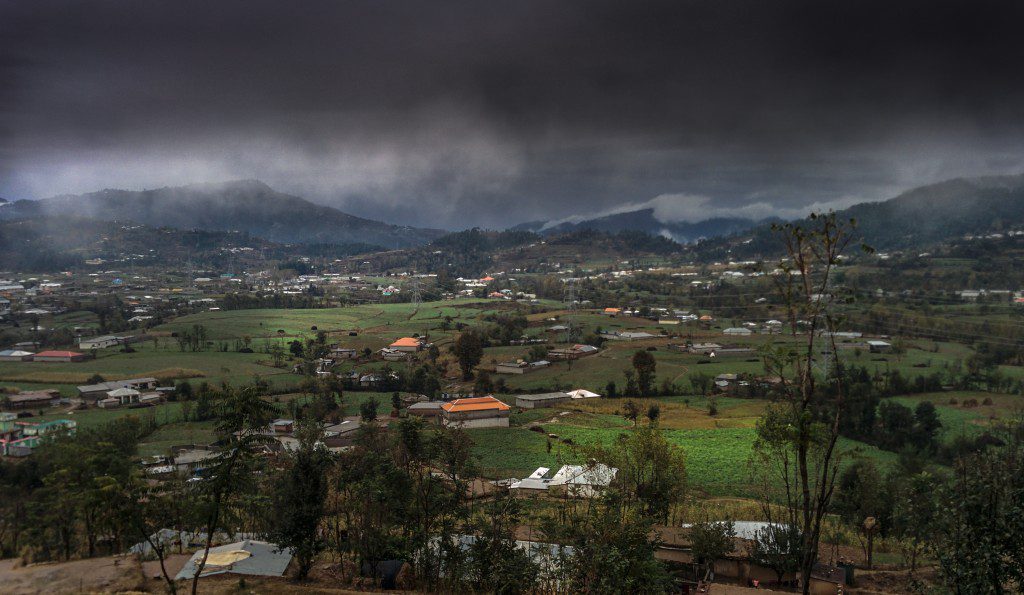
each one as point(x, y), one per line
point(243, 414)
point(631, 387)
point(701, 382)
point(711, 540)
point(299, 496)
point(862, 494)
point(926, 426)
point(653, 413)
point(777, 547)
point(645, 366)
point(496, 564)
point(631, 411)
point(368, 410)
point(614, 553)
point(914, 516)
point(469, 350)
point(980, 522)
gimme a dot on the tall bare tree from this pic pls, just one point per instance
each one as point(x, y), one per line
point(796, 452)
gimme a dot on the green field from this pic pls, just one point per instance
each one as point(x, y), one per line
point(717, 460)
point(718, 448)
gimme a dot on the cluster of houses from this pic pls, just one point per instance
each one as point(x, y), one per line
point(521, 366)
point(18, 354)
point(662, 315)
point(19, 437)
point(400, 349)
point(123, 393)
point(487, 411)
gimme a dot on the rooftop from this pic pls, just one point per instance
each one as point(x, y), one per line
point(474, 404)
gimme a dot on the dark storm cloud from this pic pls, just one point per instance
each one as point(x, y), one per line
point(459, 113)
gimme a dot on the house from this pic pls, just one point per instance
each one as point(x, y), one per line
point(541, 400)
point(15, 355)
point(702, 348)
point(59, 356)
point(581, 393)
point(151, 398)
point(282, 426)
point(613, 312)
point(249, 557)
point(628, 335)
point(574, 352)
point(194, 458)
point(392, 355)
point(407, 345)
point(737, 331)
point(125, 395)
point(18, 439)
point(343, 353)
point(879, 346)
point(45, 428)
point(427, 410)
point(102, 342)
point(580, 481)
point(96, 391)
point(476, 412)
point(520, 366)
point(374, 380)
point(32, 400)
point(342, 434)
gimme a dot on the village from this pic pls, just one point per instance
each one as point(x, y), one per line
point(540, 368)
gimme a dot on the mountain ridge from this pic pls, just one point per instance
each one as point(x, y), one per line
point(644, 220)
point(915, 219)
point(241, 205)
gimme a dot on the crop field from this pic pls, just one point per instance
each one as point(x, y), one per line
point(164, 362)
point(717, 456)
point(718, 447)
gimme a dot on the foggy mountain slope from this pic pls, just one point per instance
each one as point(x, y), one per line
point(249, 206)
point(644, 220)
point(916, 219)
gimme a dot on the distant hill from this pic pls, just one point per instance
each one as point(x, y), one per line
point(645, 221)
point(915, 220)
point(248, 206)
point(475, 251)
point(59, 243)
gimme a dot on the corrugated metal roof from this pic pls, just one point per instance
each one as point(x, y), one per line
point(265, 559)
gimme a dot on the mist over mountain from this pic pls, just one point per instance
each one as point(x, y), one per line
point(913, 220)
point(249, 206)
point(645, 220)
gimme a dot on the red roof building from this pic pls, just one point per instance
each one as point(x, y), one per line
point(476, 412)
point(59, 356)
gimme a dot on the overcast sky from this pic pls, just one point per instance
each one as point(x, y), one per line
point(452, 114)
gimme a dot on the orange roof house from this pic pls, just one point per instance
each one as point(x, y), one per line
point(59, 356)
point(476, 412)
point(407, 344)
point(487, 278)
point(612, 311)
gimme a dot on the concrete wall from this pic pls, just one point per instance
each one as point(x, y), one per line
point(482, 422)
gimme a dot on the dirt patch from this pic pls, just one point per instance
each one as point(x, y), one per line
point(103, 575)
